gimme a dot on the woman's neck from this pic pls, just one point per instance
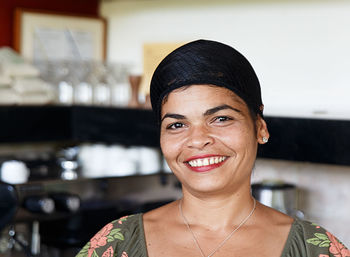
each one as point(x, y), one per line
point(216, 212)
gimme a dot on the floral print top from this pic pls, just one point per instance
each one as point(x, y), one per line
point(125, 238)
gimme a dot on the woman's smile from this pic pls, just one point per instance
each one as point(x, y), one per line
point(205, 162)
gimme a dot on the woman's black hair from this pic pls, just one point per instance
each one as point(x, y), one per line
point(205, 62)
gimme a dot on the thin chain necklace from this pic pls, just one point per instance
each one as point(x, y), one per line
point(224, 241)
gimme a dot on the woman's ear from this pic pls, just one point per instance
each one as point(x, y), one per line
point(262, 133)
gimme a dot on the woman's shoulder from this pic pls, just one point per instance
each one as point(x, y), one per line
point(115, 238)
point(164, 211)
point(310, 239)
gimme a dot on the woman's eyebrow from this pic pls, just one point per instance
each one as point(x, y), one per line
point(219, 108)
point(174, 116)
point(208, 112)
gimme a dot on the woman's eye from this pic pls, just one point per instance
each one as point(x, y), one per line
point(222, 119)
point(175, 125)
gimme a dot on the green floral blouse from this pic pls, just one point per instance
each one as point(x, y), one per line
point(125, 238)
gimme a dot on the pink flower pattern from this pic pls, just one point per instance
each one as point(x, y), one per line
point(120, 221)
point(109, 252)
point(100, 239)
point(337, 248)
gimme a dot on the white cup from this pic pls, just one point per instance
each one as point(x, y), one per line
point(14, 172)
point(119, 162)
point(93, 160)
point(149, 160)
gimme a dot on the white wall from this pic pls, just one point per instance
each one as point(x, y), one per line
point(300, 50)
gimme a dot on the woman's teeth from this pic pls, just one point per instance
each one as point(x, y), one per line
point(206, 161)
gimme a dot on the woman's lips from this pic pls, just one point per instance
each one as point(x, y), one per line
point(205, 163)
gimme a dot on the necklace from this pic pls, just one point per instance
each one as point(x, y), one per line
point(224, 241)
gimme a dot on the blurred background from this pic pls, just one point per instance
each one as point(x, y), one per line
point(78, 142)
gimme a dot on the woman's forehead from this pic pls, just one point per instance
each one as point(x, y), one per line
point(197, 91)
point(202, 99)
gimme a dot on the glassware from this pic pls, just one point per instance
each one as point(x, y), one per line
point(83, 88)
point(101, 89)
point(64, 79)
point(120, 88)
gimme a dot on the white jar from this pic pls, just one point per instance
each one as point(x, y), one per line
point(14, 172)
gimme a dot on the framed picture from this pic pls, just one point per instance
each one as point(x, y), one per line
point(41, 35)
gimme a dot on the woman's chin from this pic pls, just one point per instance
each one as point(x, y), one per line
point(205, 188)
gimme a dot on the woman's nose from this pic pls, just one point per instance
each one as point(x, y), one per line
point(199, 137)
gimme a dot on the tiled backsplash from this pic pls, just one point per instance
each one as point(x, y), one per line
point(323, 190)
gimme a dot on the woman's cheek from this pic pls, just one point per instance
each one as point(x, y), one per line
point(166, 144)
point(171, 145)
point(235, 138)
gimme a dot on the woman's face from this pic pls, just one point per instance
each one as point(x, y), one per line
point(209, 138)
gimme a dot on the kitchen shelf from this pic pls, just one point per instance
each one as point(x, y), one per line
point(38, 187)
point(296, 139)
point(29, 124)
point(34, 124)
point(90, 190)
point(311, 140)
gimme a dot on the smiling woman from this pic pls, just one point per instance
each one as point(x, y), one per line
point(205, 133)
point(207, 101)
